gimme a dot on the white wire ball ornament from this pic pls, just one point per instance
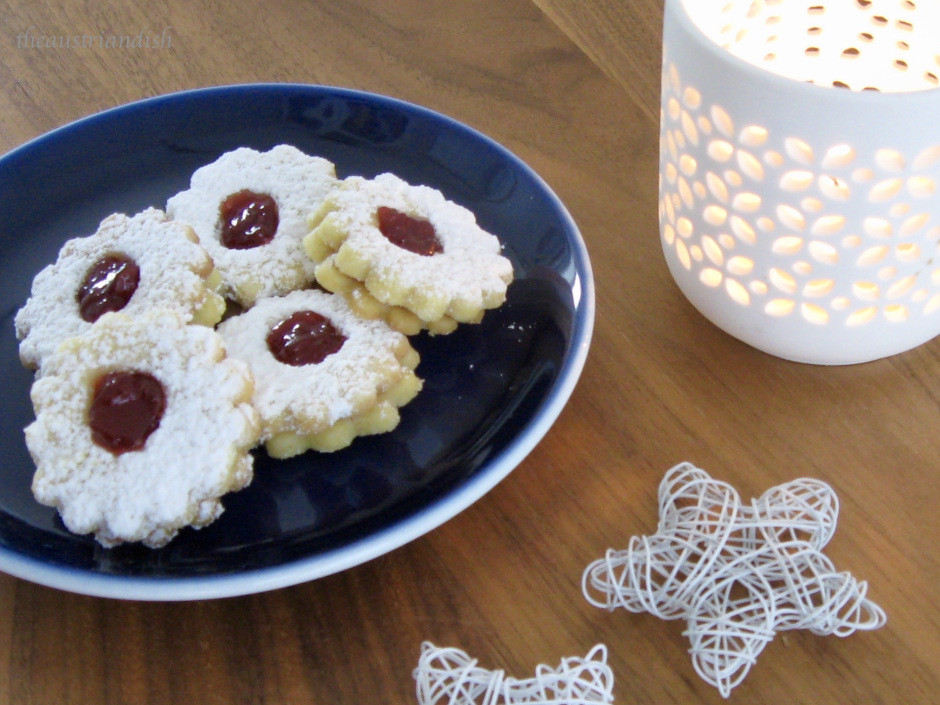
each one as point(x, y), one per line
point(448, 676)
point(737, 574)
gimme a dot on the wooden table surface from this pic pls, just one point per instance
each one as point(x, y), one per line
point(572, 88)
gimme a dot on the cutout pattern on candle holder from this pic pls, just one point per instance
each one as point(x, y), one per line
point(782, 253)
point(876, 45)
point(804, 219)
point(448, 676)
point(737, 574)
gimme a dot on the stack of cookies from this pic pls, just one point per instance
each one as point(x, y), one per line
point(270, 303)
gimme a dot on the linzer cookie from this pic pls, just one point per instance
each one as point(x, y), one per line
point(323, 375)
point(142, 425)
point(131, 264)
point(249, 210)
point(406, 254)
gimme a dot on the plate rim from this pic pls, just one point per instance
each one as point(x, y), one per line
point(401, 531)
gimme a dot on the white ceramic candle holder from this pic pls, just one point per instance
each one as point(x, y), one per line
point(800, 171)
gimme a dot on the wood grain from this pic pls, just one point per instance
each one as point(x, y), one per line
point(623, 39)
point(572, 88)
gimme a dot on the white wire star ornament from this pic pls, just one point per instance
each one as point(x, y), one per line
point(737, 574)
point(448, 676)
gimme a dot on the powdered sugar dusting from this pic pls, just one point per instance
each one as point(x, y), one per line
point(198, 452)
point(296, 181)
point(470, 270)
point(172, 276)
point(310, 398)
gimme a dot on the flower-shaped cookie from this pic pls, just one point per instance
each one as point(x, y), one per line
point(406, 254)
point(132, 264)
point(323, 375)
point(142, 424)
point(250, 211)
point(737, 574)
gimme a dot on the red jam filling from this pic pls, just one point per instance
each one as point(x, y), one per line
point(108, 286)
point(126, 407)
point(248, 220)
point(304, 338)
point(414, 235)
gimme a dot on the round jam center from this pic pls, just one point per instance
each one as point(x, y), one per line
point(414, 235)
point(126, 407)
point(304, 338)
point(108, 286)
point(248, 219)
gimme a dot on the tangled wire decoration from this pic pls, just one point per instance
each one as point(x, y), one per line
point(737, 574)
point(448, 676)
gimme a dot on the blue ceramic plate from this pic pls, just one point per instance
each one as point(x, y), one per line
point(491, 390)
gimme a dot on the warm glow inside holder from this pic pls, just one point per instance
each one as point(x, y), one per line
point(799, 171)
